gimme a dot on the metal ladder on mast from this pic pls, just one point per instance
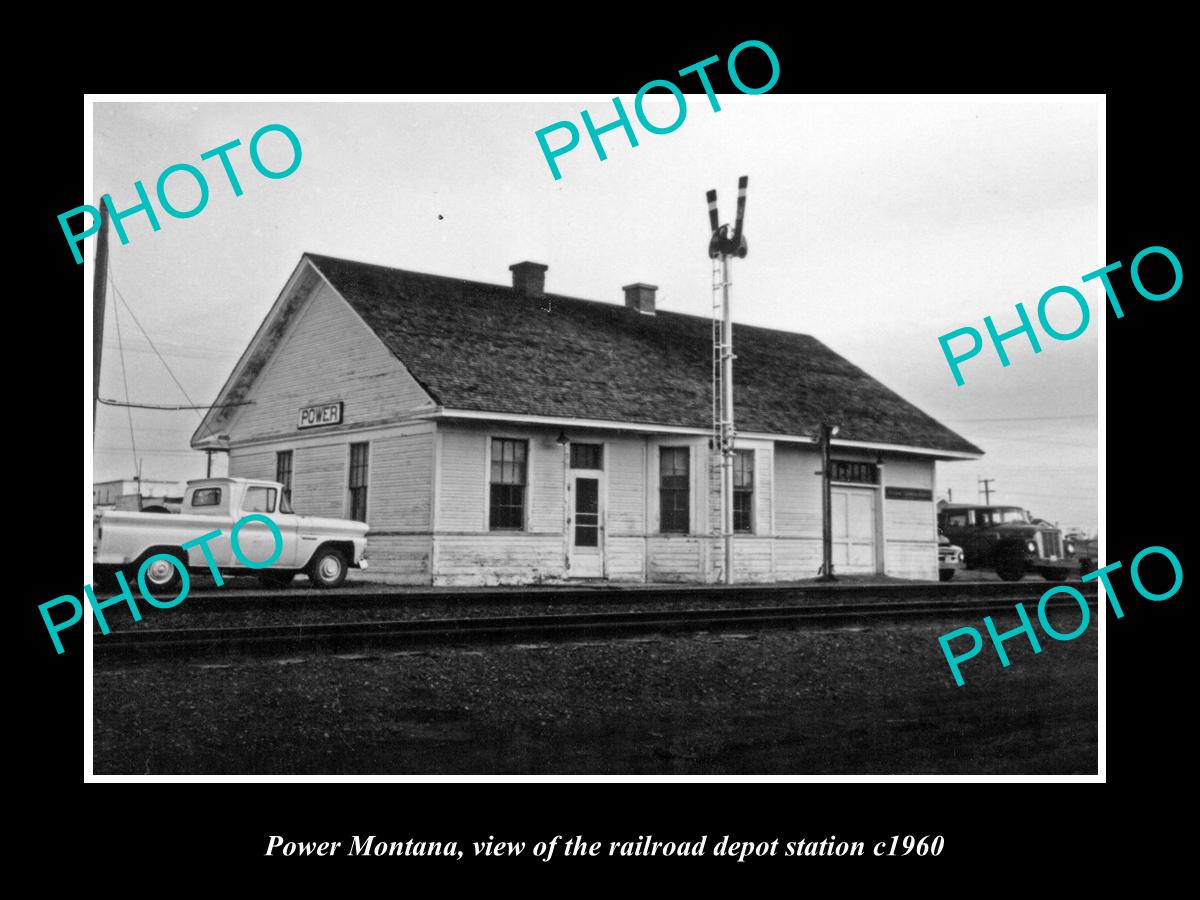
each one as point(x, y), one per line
point(721, 426)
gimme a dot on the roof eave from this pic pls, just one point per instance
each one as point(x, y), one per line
point(649, 427)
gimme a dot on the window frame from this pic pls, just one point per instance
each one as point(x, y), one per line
point(365, 471)
point(272, 498)
point(199, 491)
point(492, 506)
point(599, 451)
point(288, 470)
point(852, 472)
point(686, 491)
point(744, 491)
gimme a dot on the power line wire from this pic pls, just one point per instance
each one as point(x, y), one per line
point(108, 402)
point(125, 381)
point(1039, 441)
point(1022, 418)
point(125, 303)
point(113, 450)
point(182, 390)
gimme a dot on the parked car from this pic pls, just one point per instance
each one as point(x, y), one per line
point(950, 558)
point(323, 549)
point(1007, 539)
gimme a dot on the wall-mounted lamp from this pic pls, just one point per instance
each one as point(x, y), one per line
point(562, 439)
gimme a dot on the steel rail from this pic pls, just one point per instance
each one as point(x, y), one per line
point(266, 639)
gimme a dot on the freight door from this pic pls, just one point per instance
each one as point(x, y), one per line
point(853, 514)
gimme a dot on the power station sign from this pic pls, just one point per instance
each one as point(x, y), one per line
point(324, 414)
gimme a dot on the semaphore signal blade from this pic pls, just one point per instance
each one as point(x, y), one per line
point(712, 210)
point(741, 209)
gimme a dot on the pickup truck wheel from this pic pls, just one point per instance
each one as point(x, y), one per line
point(328, 568)
point(276, 579)
point(945, 574)
point(162, 578)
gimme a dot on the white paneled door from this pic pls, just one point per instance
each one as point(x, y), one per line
point(853, 514)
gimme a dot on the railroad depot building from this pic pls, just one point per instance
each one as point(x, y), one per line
point(496, 434)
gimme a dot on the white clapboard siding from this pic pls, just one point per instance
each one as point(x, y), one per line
point(912, 559)
point(673, 558)
point(797, 558)
point(546, 497)
point(252, 462)
point(914, 473)
point(753, 558)
point(400, 479)
point(797, 491)
point(625, 469)
point(498, 558)
point(764, 489)
point(462, 488)
point(328, 354)
point(320, 479)
point(910, 526)
point(624, 558)
point(399, 559)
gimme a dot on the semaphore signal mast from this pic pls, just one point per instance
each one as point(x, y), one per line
point(724, 245)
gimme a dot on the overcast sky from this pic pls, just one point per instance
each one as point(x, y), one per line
point(874, 226)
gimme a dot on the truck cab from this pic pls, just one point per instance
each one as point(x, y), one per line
point(321, 548)
point(1007, 539)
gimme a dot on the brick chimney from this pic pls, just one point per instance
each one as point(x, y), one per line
point(529, 278)
point(640, 296)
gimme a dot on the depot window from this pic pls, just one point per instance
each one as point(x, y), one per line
point(743, 490)
point(358, 481)
point(283, 472)
point(587, 456)
point(508, 480)
point(851, 472)
point(674, 489)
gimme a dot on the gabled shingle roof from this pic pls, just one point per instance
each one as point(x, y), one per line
point(485, 347)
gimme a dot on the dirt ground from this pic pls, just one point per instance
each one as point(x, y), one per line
point(875, 700)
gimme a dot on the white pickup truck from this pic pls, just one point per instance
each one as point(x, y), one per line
point(323, 549)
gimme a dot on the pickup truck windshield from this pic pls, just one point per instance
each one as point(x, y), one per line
point(988, 518)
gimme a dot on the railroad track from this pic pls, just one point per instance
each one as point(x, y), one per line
point(134, 643)
point(237, 596)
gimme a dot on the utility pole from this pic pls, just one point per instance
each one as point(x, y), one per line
point(986, 490)
point(826, 438)
point(99, 284)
